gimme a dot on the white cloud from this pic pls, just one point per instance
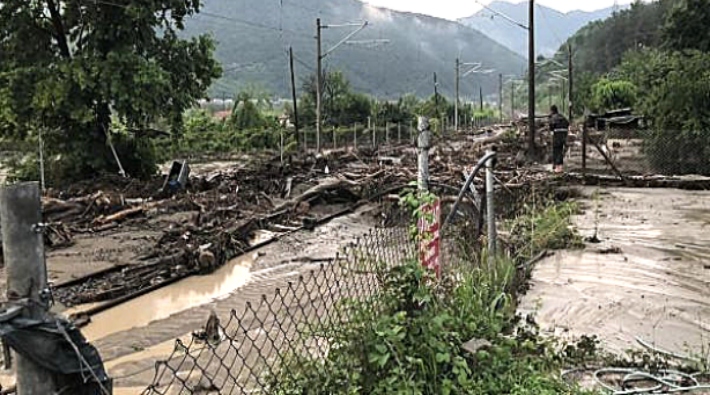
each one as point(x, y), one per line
point(454, 9)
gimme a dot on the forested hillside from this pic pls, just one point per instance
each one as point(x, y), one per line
point(253, 37)
point(554, 28)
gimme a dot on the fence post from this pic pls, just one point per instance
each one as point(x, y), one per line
point(281, 144)
point(411, 131)
point(399, 133)
point(584, 150)
point(387, 133)
point(41, 161)
point(490, 197)
point(423, 146)
point(23, 251)
point(335, 139)
point(373, 131)
point(355, 136)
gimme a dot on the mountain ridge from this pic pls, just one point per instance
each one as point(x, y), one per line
point(552, 29)
point(253, 40)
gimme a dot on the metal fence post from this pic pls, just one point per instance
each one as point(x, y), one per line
point(374, 134)
point(281, 144)
point(490, 197)
point(584, 150)
point(423, 146)
point(23, 251)
point(41, 161)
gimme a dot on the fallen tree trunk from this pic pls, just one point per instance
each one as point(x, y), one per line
point(329, 184)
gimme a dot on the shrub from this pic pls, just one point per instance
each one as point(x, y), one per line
point(676, 90)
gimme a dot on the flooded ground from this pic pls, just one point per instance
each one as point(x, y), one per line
point(133, 336)
point(193, 291)
point(649, 278)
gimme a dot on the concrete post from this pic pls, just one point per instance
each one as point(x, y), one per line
point(490, 194)
point(355, 136)
point(23, 251)
point(387, 133)
point(423, 146)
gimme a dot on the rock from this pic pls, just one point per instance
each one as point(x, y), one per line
point(207, 260)
point(610, 250)
point(474, 345)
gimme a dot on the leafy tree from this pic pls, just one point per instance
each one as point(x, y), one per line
point(601, 46)
point(676, 90)
point(435, 107)
point(612, 94)
point(247, 112)
point(340, 105)
point(687, 26)
point(75, 65)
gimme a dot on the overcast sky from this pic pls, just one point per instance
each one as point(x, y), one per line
point(454, 9)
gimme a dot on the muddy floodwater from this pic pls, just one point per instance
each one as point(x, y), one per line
point(194, 291)
point(648, 278)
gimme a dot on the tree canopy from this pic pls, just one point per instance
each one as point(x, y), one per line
point(687, 26)
point(340, 104)
point(77, 66)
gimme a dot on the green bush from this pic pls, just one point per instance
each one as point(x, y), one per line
point(544, 227)
point(676, 90)
point(408, 340)
point(613, 94)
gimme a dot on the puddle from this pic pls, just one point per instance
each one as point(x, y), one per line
point(191, 292)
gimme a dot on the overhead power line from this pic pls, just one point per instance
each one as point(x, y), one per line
point(502, 15)
point(219, 17)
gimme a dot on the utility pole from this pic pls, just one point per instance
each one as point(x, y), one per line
point(564, 96)
point(293, 94)
point(319, 83)
point(532, 151)
point(500, 97)
point(456, 105)
point(570, 75)
point(23, 250)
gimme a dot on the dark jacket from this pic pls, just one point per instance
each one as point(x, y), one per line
point(558, 122)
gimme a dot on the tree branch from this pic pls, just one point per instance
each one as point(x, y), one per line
point(60, 33)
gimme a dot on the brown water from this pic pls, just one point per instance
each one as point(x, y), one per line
point(657, 288)
point(188, 293)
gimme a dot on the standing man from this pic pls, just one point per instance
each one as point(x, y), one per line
point(559, 126)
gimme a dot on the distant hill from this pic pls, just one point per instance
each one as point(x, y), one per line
point(552, 29)
point(253, 37)
point(600, 46)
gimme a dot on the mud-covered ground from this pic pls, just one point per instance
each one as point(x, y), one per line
point(648, 278)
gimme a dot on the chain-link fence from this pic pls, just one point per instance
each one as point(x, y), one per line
point(631, 151)
point(238, 355)
point(241, 353)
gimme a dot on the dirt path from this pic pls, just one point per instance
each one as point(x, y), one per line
point(650, 276)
